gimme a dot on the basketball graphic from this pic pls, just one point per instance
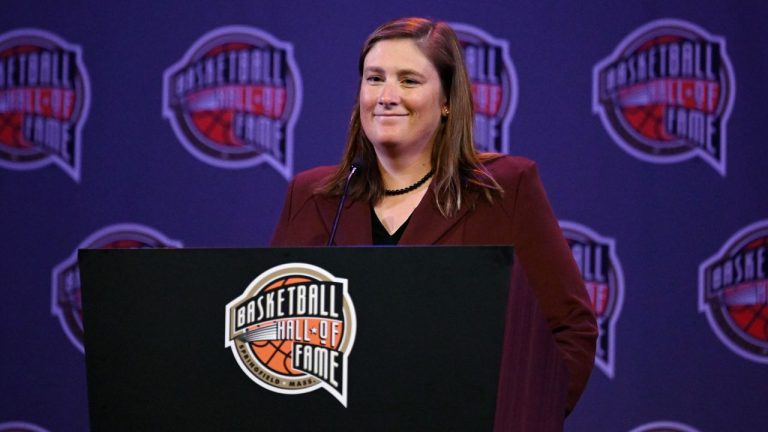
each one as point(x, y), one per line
point(234, 98)
point(647, 120)
point(666, 92)
point(277, 354)
point(292, 330)
point(733, 292)
point(44, 101)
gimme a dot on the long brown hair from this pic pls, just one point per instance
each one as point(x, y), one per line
point(457, 164)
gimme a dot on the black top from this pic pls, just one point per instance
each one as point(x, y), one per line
point(380, 234)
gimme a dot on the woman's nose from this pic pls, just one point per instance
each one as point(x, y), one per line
point(389, 95)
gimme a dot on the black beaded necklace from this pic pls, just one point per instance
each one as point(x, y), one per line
point(405, 190)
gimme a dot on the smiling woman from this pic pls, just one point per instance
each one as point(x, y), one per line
point(401, 105)
point(424, 183)
point(400, 99)
point(412, 51)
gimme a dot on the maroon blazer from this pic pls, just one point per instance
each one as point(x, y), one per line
point(522, 218)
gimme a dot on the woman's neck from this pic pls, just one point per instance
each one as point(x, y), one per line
point(402, 170)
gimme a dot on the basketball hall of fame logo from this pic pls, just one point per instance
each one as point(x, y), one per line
point(44, 101)
point(596, 258)
point(666, 92)
point(664, 426)
point(733, 292)
point(66, 294)
point(292, 330)
point(494, 86)
point(234, 98)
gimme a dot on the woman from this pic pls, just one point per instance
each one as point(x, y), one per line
point(423, 183)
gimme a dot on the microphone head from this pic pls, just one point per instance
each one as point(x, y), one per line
point(358, 164)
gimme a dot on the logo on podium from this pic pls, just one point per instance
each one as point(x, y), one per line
point(292, 329)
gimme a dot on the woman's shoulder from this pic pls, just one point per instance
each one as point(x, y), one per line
point(310, 180)
point(506, 168)
point(315, 174)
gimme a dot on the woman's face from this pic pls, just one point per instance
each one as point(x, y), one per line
point(400, 97)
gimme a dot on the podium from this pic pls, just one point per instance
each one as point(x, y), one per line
point(315, 339)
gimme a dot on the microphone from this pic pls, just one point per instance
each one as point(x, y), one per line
point(356, 165)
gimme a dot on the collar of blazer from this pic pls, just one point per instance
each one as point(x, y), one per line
point(426, 227)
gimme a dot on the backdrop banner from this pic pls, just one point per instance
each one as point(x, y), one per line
point(176, 124)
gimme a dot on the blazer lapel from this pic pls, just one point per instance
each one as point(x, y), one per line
point(427, 225)
point(354, 224)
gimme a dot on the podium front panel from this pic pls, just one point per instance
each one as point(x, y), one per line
point(425, 355)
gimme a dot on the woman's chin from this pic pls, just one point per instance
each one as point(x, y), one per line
point(388, 144)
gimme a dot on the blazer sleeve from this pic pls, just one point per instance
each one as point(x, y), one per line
point(552, 273)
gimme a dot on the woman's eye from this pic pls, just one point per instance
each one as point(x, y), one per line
point(374, 79)
point(410, 82)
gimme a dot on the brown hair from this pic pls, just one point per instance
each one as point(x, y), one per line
point(454, 159)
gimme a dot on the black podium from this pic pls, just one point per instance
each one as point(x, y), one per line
point(315, 339)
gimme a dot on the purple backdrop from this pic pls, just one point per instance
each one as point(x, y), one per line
point(176, 123)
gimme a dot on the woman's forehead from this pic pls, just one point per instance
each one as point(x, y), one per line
point(397, 53)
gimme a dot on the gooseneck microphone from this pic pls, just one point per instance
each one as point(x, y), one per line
point(356, 165)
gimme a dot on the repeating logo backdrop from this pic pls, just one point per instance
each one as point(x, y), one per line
point(601, 270)
point(66, 294)
point(494, 86)
point(234, 98)
point(666, 92)
point(733, 292)
point(44, 101)
point(628, 108)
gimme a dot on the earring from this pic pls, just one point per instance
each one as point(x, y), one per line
point(445, 111)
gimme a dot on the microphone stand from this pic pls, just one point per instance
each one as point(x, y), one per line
point(352, 171)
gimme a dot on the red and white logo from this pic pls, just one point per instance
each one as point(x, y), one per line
point(494, 86)
point(44, 100)
point(66, 303)
point(292, 330)
point(601, 271)
point(733, 292)
point(666, 92)
point(234, 98)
